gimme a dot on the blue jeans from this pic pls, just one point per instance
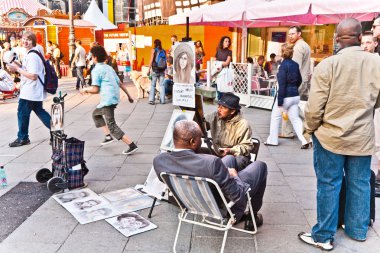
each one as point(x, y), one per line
point(329, 168)
point(25, 107)
point(160, 78)
point(168, 84)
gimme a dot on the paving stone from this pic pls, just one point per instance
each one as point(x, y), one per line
point(283, 214)
point(213, 244)
point(161, 242)
point(102, 173)
point(98, 236)
point(29, 232)
point(283, 239)
point(29, 247)
point(307, 199)
point(139, 158)
point(297, 170)
point(275, 178)
point(302, 183)
point(278, 194)
point(128, 169)
point(121, 182)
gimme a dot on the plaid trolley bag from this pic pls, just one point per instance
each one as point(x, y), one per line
point(67, 153)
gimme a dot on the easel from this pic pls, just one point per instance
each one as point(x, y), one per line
point(200, 119)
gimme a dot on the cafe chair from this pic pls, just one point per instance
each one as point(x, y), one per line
point(194, 196)
point(259, 86)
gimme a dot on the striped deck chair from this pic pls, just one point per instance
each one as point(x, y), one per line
point(194, 196)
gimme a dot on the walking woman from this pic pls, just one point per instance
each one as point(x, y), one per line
point(158, 74)
point(223, 54)
point(289, 79)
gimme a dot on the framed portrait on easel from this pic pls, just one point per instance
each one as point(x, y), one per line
point(57, 115)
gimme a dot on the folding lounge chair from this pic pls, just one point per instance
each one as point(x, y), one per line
point(194, 196)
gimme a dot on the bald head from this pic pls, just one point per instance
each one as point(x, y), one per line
point(186, 135)
point(349, 32)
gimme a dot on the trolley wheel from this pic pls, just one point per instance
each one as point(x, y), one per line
point(55, 184)
point(43, 175)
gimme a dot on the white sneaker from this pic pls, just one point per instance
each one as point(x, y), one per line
point(306, 238)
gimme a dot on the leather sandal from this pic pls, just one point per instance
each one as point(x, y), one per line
point(307, 145)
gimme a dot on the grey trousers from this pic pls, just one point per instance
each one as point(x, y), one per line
point(106, 115)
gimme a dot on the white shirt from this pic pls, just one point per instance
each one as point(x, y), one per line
point(32, 90)
point(81, 59)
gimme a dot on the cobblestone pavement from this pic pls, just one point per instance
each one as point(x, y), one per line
point(289, 202)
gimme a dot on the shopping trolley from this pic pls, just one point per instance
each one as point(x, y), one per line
point(68, 167)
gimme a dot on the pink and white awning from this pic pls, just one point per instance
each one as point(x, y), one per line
point(29, 6)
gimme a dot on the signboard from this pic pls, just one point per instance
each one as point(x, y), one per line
point(140, 41)
point(184, 95)
point(17, 16)
point(39, 22)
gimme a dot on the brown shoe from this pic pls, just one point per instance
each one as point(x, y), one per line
point(307, 146)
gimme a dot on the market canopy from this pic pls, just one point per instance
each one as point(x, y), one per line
point(264, 13)
point(29, 6)
point(95, 16)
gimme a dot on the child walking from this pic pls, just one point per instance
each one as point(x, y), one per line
point(106, 82)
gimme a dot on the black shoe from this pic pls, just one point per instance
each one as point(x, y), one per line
point(107, 140)
point(19, 143)
point(132, 149)
point(77, 88)
point(248, 224)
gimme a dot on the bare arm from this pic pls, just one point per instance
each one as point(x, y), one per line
point(124, 88)
point(227, 62)
point(74, 59)
point(93, 89)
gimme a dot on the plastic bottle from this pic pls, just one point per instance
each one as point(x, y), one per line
point(272, 91)
point(285, 116)
point(3, 177)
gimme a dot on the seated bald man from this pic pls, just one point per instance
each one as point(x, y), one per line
point(185, 161)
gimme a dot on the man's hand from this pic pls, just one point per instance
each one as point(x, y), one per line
point(232, 172)
point(12, 67)
point(224, 151)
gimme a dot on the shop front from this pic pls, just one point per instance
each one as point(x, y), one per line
point(11, 24)
point(264, 41)
point(55, 28)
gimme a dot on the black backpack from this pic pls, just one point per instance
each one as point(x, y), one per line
point(51, 78)
point(159, 63)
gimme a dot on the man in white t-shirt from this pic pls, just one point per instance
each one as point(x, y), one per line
point(79, 61)
point(32, 93)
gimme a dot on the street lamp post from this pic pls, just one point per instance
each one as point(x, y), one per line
point(71, 30)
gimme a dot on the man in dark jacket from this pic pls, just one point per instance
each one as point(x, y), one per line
point(184, 160)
